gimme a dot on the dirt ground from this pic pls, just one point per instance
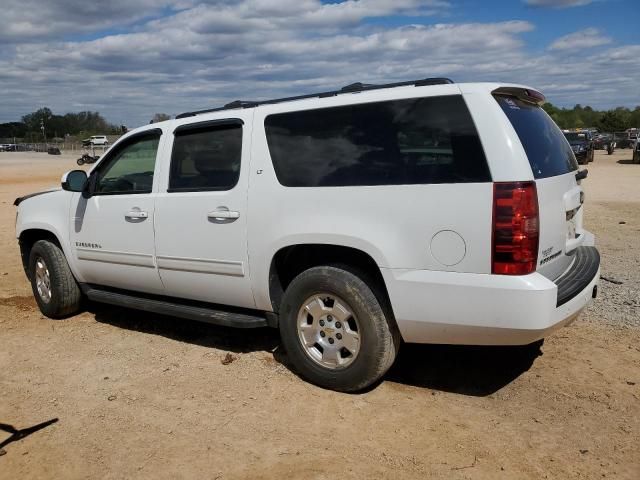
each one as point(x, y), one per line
point(142, 396)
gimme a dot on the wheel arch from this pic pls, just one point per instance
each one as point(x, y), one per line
point(28, 237)
point(291, 260)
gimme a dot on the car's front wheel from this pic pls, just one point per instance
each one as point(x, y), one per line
point(54, 287)
point(335, 330)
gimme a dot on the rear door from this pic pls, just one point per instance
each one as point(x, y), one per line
point(554, 168)
point(201, 216)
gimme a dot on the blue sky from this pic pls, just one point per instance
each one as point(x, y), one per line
point(130, 59)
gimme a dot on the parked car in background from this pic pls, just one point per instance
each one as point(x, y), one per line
point(623, 140)
point(604, 141)
point(599, 141)
point(95, 140)
point(582, 146)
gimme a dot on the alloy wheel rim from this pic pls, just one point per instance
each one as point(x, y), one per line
point(328, 331)
point(43, 280)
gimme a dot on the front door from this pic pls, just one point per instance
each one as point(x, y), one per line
point(201, 218)
point(112, 231)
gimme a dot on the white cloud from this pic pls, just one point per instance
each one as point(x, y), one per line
point(35, 20)
point(202, 54)
point(587, 38)
point(558, 3)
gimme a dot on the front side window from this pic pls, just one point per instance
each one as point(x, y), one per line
point(130, 168)
point(206, 158)
point(401, 142)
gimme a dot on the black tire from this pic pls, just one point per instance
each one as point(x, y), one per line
point(65, 295)
point(379, 338)
point(80, 161)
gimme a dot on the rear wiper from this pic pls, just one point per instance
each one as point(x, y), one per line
point(582, 174)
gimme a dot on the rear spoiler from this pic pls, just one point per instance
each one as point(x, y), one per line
point(525, 94)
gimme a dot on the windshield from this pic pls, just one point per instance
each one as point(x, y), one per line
point(575, 137)
point(548, 152)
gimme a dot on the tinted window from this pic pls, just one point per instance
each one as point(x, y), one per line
point(547, 149)
point(206, 158)
point(129, 169)
point(414, 141)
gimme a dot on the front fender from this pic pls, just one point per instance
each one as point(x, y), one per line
point(49, 213)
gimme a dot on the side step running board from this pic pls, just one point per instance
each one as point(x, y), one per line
point(167, 307)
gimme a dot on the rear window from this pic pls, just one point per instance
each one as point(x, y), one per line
point(546, 147)
point(413, 141)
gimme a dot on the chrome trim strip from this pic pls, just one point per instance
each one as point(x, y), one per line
point(201, 265)
point(120, 258)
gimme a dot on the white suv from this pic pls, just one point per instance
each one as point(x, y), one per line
point(351, 220)
point(99, 140)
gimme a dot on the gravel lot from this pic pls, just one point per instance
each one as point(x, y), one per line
point(141, 396)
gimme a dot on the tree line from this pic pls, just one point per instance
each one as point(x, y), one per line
point(90, 123)
point(616, 120)
point(74, 124)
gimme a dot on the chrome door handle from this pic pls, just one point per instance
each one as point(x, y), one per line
point(136, 214)
point(223, 214)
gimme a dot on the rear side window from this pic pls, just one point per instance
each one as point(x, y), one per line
point(547, 149)
point(206, 158)
point(413, 141)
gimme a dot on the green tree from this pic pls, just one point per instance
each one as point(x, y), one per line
point(160, 117)
point(634, 118)
point(612, 121)
point(34, 120)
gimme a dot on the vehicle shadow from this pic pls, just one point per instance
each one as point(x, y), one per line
point(625, 161)
point(468, 370)
point(236, 340)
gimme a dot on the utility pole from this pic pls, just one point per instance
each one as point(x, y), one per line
point(44, 133)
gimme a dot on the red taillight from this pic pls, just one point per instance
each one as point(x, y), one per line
point(515, 228)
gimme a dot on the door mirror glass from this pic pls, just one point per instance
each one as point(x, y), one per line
point(74, 181)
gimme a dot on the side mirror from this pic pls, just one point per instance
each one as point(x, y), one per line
point(74, 181)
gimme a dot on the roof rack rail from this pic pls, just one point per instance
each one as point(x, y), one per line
point(352, 88)
point(356, 87)
point(241, 104)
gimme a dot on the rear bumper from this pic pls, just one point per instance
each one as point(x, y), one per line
point(482, 309)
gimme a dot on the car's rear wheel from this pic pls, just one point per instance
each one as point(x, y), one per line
point(335, 329)
point(54, 287)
